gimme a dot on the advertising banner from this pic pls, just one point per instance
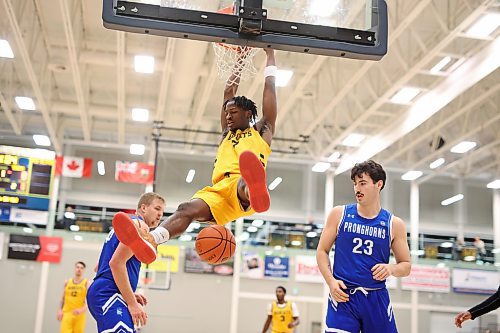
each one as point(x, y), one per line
point(276, 266)
point(475, 281)
point(37, 248)
point(427, 278)
point(194, 264)
point(166, 253)
point(306, 269)
point(252, 265)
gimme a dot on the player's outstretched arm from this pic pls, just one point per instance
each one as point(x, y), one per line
point(461, 317)
point(269, 100)
point(488, 305)
point(119, 270)
point(325, 244)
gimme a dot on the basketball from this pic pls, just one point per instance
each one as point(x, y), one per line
point(215, 244)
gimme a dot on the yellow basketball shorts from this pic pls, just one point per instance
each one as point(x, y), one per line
point(222, 198)
point(71, 323)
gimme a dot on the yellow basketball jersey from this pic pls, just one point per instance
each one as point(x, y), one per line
point(282, 317)
point(228, 154)
point(74, 295)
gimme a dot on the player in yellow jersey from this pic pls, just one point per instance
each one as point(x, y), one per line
point(71, 313)
point(283, 315)
point(239, 179)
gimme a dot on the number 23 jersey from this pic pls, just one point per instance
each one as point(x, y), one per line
point(361, 244)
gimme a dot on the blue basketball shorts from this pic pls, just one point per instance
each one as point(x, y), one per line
point(108, 308)
point(366, 311)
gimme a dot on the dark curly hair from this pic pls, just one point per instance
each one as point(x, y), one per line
point(372, 169)
point(245, 104)
point(282, 288)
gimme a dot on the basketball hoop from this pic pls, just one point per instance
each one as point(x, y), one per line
point(147, 278)
point(234, 59)
point(156, 278)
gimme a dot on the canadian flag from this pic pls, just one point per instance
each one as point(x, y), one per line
point(76, 167)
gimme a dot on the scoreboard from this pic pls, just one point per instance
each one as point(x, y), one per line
point(25, 181)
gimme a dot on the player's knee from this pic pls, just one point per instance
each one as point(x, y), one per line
point(186, 209)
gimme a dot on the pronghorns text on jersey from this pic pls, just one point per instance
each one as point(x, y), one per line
point(364, 230)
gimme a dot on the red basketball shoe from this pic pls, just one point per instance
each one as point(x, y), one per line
point(254, 175)
point(137, 239)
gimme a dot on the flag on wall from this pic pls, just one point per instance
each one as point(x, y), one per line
point(134, 172)
point(76, 167)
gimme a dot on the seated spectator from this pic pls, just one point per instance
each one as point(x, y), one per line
point(479, 244)
point(457, 249)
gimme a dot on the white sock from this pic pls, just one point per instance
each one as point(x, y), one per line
point(161, 235)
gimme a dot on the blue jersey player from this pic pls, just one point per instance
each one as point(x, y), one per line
point(110, 297)
point(364, 234)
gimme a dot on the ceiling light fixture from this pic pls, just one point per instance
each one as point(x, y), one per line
point(5, 49)
point(321, 167)
point(484, 26)
point(353, 140)
point(137, 149)
point(275, 183)
point(440, 65)
point(25, 103)
point(437, 163)
point(144, 64)
point(405, 95)
point(412, 175)
point(453, 199)
point(334, 157)
point(100, 168)
point(190, 175)
point(41, 140)
point(463, 147)
point(139, 114)
point(494, 184)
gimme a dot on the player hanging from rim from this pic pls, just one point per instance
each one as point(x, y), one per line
point(239, 178)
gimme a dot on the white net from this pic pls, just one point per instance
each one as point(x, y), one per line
point(234, 62)
point(156, 278)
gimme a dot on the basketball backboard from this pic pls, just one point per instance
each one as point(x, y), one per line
point(344, 28)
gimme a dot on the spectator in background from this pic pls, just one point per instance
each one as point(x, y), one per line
point(457, 249)
point(479, 244)
point(69, 217)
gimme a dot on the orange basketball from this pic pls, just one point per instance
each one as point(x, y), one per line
point(215, 244)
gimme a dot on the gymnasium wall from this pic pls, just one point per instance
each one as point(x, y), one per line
point(195, 302)
point(294, 199)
